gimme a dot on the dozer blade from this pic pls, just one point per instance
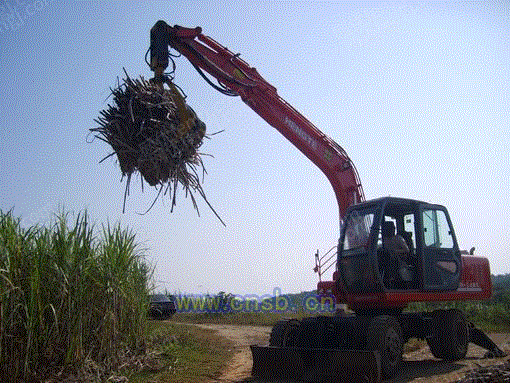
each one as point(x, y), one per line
point(315, 364)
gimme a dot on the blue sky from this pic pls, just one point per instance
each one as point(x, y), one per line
point(417, 93)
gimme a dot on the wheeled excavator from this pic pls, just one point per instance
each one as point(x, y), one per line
point(376, 284)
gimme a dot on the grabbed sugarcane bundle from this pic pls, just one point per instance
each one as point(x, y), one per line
point(153, 131)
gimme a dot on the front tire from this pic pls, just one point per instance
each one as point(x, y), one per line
point(385, 336)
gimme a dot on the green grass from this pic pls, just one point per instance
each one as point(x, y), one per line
point(181, 354)
point(68, 296)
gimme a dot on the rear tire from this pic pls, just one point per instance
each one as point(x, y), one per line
point(284, 333)
point(450, 335)
point(385, 336)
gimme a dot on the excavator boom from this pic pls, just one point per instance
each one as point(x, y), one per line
point(236, 77)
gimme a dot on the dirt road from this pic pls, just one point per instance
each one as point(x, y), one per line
point(418, 366)
point(239, 369)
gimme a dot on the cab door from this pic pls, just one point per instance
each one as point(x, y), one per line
point(441, 261)
point(356, 251)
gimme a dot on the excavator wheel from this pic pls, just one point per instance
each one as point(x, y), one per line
point(284, 333)
point(450, 334)
point(385, 336)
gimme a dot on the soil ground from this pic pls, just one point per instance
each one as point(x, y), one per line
point(418, 366)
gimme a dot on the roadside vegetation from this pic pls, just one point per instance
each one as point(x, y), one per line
point(74, 304)
point(226, 308)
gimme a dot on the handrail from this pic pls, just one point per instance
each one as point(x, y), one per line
point(323, 264)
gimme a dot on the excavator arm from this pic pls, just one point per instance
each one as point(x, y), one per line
point(235, 77)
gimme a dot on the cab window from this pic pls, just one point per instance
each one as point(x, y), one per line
point(436, 230)
point(357, 229)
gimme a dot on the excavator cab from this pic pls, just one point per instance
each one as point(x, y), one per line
point(392, 244)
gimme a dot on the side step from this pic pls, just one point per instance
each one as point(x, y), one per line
point(315, 364)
